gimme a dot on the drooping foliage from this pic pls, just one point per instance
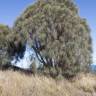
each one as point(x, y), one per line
point(63, 34)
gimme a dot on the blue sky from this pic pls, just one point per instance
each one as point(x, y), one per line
point(11, 9)
point(87, 10)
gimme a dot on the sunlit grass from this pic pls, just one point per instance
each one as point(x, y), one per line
point(19, 84)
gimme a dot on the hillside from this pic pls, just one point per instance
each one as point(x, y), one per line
point(19, 84)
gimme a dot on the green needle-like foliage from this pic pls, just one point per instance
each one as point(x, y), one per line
point(63, 33)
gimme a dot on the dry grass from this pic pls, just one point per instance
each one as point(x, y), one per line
point(86, 82)
point(17, 84)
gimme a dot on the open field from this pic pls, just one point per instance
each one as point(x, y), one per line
point(19, 84)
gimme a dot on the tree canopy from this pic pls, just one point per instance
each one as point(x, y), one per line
point(64, 35)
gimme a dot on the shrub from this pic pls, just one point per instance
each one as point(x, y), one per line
point(4, 33)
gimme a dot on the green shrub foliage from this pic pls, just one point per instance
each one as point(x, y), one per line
point(4, 35)
point(10, 43)
point(64, 35)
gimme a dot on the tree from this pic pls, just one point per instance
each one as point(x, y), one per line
point(4, 33)
point(10, 44)
point(64, 35)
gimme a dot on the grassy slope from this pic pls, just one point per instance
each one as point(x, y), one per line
point(17, 84)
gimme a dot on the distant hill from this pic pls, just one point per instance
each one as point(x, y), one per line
point(93, 67)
